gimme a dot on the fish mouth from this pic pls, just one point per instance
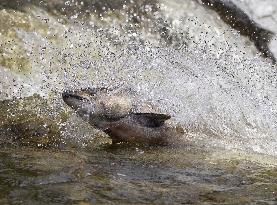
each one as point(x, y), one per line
point(79, 102)
point(66, 95)
point(82, 94)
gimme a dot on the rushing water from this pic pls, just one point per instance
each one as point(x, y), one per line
point(124, 175)
point(202, 73)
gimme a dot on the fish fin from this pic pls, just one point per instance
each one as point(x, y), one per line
point(150, 119)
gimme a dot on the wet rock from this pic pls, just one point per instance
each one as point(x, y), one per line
point(83, 8)
point(263, 13)
point(12, 53)
point(134, 16)
point(255, 19)
point(146, 15)
point(38, 122)
point(25, 121)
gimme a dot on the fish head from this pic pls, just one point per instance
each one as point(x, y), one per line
point(98, 102)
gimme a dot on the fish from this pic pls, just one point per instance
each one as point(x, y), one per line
point(113, 114)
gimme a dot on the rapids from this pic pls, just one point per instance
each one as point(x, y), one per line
point(177, 56)
point(223, 96)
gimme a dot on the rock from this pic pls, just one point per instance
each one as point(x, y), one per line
point(263, 13)
point(255, 19)
point(12, 52)
point(24, 122)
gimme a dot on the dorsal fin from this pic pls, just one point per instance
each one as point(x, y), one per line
point(150, 119)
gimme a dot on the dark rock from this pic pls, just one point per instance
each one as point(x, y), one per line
point(239, 20)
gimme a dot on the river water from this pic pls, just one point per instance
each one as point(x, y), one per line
point(181, 59)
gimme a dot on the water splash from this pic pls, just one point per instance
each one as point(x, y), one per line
point(223, 96)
